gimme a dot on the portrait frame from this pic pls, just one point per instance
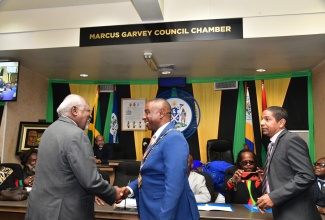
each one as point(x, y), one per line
point(29, 135)
point(132, 111)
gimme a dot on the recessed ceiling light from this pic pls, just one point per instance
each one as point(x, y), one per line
point(84, 75)
point(165, 72)
point(260, 70)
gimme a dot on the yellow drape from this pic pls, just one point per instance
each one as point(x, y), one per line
point(209, 101)
point(88, 91)
point(275, 89)
point(148, 92)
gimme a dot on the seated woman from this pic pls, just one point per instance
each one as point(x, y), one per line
point(10, 177)
point(243, 191)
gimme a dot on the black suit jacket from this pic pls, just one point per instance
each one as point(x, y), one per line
point(291, 176)
point(318, 195)
point(104, 154)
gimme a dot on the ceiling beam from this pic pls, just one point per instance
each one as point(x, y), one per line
point(148, 10)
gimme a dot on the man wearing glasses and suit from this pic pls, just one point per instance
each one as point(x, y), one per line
point(319, 185)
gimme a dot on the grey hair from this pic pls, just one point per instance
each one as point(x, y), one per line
point(70, 101)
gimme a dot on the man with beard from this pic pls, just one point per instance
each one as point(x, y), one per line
point(67, 180)
point(28, 160)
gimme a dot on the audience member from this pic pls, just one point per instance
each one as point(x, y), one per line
point(7, 94)
point(103, 152)
point(67, 180)
point(319, 185)
point(197, 184)
point(288, 172)
point(28, 159)
point(162, 190)
point(243, 191)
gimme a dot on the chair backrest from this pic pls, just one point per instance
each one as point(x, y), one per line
point(209, 184)
point(118, 150)
point(126, 172)
point(220, 150)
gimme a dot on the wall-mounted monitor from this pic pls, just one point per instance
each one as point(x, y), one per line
point(9, 71)
point(172, 82)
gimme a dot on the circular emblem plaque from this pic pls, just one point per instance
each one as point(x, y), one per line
point(185, 111)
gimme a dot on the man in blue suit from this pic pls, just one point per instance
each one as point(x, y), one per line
point(162, 190)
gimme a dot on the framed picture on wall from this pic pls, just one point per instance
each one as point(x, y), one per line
point(132, 112)
point(29, 135)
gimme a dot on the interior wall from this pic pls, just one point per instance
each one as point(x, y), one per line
point(30, 107)
point(319, 108)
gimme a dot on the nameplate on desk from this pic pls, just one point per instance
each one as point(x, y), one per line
point(216, 207)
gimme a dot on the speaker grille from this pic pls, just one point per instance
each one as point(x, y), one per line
point(106, 88)
point(225, 85)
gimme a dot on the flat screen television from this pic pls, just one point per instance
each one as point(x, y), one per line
point(9, 71)
point(172, 82)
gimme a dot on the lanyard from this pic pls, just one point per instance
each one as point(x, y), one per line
point(153, 146)
point(249, 184)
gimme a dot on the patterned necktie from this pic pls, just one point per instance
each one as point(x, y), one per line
point(322, 187)
point(152, 140)
point(265, 183)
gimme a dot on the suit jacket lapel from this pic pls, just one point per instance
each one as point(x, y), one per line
point(277, 141)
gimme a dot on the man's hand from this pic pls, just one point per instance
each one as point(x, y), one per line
point(97, 160)
point(321, 210)
point(237, 176)
point(119, 194)
point(126, 193)
point(264, 202)
point(99, 201)
point(260, 173)
point(28, 181)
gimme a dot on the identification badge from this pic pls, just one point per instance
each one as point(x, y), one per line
point(139, 180)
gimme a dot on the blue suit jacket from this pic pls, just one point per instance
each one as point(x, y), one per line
point(165, 192)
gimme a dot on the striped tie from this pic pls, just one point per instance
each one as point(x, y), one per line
point(265, 183)
point(149, 146)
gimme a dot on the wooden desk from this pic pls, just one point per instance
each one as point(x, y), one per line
point(109, 169)
point(16, 211)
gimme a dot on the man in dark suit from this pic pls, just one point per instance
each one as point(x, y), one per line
point(289, 173)
point(67, 179)
point(103, 152)
point(162, 189)
point(319, 185)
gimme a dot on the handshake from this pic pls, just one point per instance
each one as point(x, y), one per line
point(121, 193)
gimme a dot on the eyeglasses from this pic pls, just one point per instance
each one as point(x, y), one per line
point(246, 162)
point(319, 164)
